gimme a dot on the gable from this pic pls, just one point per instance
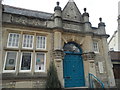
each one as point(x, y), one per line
point(71, 12)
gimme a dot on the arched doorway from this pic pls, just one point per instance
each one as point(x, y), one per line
point(73, 70)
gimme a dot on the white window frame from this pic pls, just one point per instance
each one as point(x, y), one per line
point(42, 42)
point(97, 47)
point(44, 62)
point(10, 71)
point(21, 62)
point(23, 42)
point(8, 41)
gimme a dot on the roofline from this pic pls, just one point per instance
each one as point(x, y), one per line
point(24, 9)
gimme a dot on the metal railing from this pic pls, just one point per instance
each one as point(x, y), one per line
point(94, 82)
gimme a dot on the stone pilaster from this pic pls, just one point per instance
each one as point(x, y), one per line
point(58, 59)
point(88, 57)
point(57, 52)
point(57, 40)
point(89, 65)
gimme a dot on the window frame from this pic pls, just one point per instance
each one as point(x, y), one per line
point(8, 41)
point(44, 62)
point(21, 62)
point(97, 47)
point(23, 41)
point(9, 71)
point(42, 41)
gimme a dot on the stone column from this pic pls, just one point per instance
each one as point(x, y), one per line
point(58, 60)
point(58, 53)
point(89, 65)
point(57, 40)
point(88, 48)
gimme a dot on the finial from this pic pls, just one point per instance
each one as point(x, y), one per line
point(85, 9)
point(101, 23)
point(85, 13)
point(58, 3)
point(57, 7)
point(100, 19)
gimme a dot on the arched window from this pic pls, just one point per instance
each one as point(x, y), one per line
point(72, 47)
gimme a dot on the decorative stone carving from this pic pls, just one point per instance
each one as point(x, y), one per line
point(58, 55)
point(27, 21)
point(89, 56)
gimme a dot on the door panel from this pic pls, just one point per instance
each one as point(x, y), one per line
point(73, 70)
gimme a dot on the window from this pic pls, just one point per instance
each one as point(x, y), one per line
point(26, 61)
point(41, 42)
point(13, 40)
point(95, 47)
point(71, 48)
point(26, 50)
point(10, 61)
point(28, 41)
point(40, 62)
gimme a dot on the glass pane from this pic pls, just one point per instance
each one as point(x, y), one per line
point(31, 41)
point(24, 40)
point(10, 61)
point(39, 61)
point(44, 42)
point(17, 40)
point(13, 40)
point(26, 61)
point(38, 42)
point(71, 48)
point(9, 42)
point(41, 42)
point(28, 41)
point(95, 46)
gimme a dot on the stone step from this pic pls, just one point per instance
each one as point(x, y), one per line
point(82, 88)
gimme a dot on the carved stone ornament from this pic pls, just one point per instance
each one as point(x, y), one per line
point(58, 54)
point(88, 56)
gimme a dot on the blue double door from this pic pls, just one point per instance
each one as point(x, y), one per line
point(73, 70)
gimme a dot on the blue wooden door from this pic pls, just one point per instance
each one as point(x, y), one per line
point(73, 70)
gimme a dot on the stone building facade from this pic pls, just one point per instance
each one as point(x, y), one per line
point(32, 39)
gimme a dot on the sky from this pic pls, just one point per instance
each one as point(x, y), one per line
point(107, 9)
